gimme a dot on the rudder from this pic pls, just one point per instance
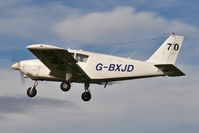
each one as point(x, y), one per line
point(167, 53)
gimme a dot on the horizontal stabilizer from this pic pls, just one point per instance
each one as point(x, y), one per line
point(170, 70)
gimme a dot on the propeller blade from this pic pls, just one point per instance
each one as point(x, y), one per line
point(22, 78)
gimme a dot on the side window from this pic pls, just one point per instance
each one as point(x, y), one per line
point(81, 57)
point(72, 54)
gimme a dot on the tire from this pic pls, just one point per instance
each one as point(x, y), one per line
point(86, 96)
point(65, 86)
point(32, 93)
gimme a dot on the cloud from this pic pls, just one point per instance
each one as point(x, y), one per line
point(28, 20)
point(120, 24)
point(24, 22)
point(154, 103)
point(8, 3)
point(146, 105)
point(21, 104)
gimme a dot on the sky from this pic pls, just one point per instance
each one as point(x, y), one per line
point(133, 27)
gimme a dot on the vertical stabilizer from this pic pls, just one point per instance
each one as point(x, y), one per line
point(167, 53)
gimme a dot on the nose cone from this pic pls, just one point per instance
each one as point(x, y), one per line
point(16, 66)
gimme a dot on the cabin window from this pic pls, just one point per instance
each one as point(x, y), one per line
point(81, 57)
point(72, 54)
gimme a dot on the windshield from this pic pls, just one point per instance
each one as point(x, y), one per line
point(81, 57)
point(72, 54)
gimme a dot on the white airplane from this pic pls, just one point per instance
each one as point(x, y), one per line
point(67, 66)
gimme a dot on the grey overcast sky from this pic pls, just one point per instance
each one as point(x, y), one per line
point(155, 105)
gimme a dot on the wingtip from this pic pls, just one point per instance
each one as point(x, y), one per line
point(41, 46)
point(34, 46)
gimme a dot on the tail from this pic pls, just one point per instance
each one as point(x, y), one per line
point(165, 57)
point(168, 51)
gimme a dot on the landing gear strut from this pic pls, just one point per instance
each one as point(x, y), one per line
point(65, 86)
point(86, 96)
point(31, 92)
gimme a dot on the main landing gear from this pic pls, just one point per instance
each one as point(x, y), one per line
point(31, 92)
point(65, 86)
point(86, 96)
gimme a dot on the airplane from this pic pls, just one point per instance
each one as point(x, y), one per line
point(68, 66)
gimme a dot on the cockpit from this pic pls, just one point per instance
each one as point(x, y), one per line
point(80, 57)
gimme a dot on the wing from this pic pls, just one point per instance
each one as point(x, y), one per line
point(59, 61)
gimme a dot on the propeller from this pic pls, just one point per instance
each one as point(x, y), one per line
point(16, 66)
point(22, 78)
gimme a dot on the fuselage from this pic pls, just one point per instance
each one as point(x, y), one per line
point(58, 64)
point(99, 68)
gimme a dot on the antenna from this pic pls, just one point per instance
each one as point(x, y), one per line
point(114, 50)
point(133, 54)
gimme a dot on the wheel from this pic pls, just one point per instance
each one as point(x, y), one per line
point(31, 93)
point(65, 86)
point(86, 96)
